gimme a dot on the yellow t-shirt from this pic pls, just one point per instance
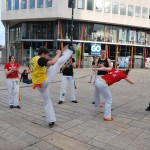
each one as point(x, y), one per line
point(38, 73)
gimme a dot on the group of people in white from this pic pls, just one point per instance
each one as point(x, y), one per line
point(104, 74)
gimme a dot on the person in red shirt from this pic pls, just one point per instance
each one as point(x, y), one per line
point(12, 79)
point(102, 86)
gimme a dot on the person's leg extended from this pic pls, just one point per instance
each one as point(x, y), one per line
point(97, 92)
point(50, 114)
point(16, 93)
point(52, 70)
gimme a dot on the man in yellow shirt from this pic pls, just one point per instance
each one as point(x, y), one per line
point(41, 76)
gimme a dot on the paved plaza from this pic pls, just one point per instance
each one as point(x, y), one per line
point(79, 126)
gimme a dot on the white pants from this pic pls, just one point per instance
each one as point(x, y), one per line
point(51, 72)
point(13, 91)
point(102, 88)
point(64, 81)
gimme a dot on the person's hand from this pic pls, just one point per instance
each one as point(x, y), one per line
point(101, 65)
point(58, 52)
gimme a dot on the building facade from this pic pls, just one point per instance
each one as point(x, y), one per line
point(122, 27)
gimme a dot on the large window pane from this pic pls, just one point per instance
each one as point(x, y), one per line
point(137, 11)
point(122, 9)
point(130, 10)
point(8, 4)
point(107, 8)
point(16, 4)
point(99, 5)
point(23, 4)
point(48, 3)
point(80, 4)
point(70, 3)
point(90, 4)
point(115, 7)
point(32, 4)
point(144, 12)
point(39, 3)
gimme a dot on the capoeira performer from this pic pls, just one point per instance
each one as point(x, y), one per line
point(41, 76)
point(102, 86)
point(67, 70)
point(103, 61)
point(12, 78)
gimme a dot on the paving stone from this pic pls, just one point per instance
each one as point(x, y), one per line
point(66, 143)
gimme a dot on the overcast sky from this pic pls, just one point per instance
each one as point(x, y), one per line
point(2, 30)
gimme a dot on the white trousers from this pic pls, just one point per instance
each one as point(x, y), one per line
point(102, 88)
point(51, 72)
point(13, 91)
point(64, 81)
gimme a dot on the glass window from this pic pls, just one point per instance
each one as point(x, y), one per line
point(32, 4)
point(137, 11)
point(144, 12)
point(39, 3)
point(115, 7)
point(48, 3)
point(122, 9)
point(90, 4)
point(99, 5)
point(16, 4)
point(23, 4)
point(149, 13)
point(130, 10)
point(70, 2)
point(80, 4)
point(8, 5)
point(107, 7)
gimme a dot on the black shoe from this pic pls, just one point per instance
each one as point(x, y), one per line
point(70, 47)
point(18, 107)
point(74, 101)
point(147, 109)
point(51, 124)
point(11, 106)
point(60, 102)
point(93, 102)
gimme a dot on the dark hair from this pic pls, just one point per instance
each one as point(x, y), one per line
point(24, 70)
point(42, 50)
point(126, 71)
point(11, 57)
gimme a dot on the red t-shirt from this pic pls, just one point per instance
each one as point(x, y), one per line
point(14, 74)
point(114, 76)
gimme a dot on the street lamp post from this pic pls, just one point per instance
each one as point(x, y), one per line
point(73, 1)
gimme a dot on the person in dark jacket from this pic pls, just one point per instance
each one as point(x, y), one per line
point(24, 77)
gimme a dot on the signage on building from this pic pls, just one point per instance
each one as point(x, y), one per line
point(95, 49)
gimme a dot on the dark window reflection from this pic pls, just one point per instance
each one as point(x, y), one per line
point(32, 4)
point(48, 3)
point(8, 4)
point(23, 4)
point(16, 4)
point(39, 3)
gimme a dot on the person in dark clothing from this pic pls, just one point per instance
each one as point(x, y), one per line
point(24, 77)
point(67, 70)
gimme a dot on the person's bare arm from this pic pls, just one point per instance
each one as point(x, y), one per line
point(54, 60)
point(109, 62)
point(74, 65)
point(129, 80)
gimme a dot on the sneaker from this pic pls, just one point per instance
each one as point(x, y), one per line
point(93, 102)
point(51, 124)
point(11, 106)
point(74, 101)
point(108, 119)
point(18, 107)
point(60, 102)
